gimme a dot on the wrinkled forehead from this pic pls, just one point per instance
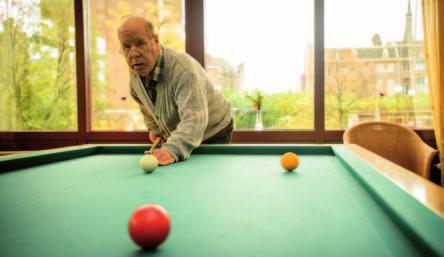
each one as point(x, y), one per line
point(131, 31)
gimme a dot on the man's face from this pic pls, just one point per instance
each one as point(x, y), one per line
point(140, 49)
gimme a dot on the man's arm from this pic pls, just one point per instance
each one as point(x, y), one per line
point(162, 156)
point(191, 100)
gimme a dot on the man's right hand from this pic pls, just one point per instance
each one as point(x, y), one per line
point(163, 157)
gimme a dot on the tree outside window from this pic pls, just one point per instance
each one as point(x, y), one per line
point(37, 59)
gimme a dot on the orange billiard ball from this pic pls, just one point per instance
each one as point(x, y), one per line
point(289, 161)
point(149, 226)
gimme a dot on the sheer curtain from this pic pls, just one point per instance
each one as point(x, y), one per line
point(434, 47)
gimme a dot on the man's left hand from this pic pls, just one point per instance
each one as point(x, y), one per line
point(163, 157)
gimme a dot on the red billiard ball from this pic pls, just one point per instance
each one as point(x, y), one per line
point(149, 226)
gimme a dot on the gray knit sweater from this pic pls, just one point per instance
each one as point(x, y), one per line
point(188, 108)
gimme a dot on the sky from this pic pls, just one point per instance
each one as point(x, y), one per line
point(9, 9)
point(270, 37)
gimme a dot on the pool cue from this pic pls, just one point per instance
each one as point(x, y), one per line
point(153, 146)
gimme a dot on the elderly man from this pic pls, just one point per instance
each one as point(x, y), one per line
point(175, 95)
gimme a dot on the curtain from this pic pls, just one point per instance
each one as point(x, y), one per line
point(433, 22)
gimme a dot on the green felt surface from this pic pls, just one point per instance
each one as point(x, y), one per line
point(226, 204)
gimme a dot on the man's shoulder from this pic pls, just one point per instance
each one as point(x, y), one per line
point(181, 65)
point(173, 56)
point(169, 52)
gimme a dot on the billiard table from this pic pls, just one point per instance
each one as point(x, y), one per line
point(226, 200)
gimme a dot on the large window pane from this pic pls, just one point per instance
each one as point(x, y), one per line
point(112, 105)
point(37, 63)
point(374, 63)
point(260, 55)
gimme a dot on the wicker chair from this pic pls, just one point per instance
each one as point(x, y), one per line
point(394, 142)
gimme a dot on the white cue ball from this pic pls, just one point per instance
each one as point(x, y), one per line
point(148, 163)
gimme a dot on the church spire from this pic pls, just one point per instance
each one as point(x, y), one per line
point(408, 33)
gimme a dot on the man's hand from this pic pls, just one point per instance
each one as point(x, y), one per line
point(163, 156)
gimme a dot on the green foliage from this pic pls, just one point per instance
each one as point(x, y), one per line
point(14, 82)
point(39, 68)
point(256, 99)
point(279, 111)
point(389, 107)
point(290, 110)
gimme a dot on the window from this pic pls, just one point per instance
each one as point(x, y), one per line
point(380, 67)
point(385, 67)
point(390, 67)
point(380, 83)
point(112, 105)
point(389, 42)
point(420, 66)
point(37, 59)
point(260, 56)
point(405, 66)
point(420, 81)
